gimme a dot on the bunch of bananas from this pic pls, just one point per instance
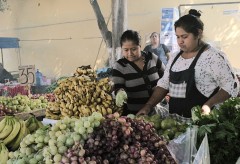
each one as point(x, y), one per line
point(53, 111)
point(83, 94)
point(12, 131)
point(33, 124)
point(3, 153)
point(85, 70)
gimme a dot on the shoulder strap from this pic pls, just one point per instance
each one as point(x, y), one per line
point(175, 59)
point(198, 55)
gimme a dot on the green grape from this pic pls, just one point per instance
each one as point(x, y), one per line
point(23, 144)
point(10, 161)
point(90, 119)
point(58, 133)
point(83, 119)
point(52, 142)
point(11, 154)
point(40, 145)
point(97, 116)
point(57, 158)
point(56, 127)
point(23, 150)
point(62, 138)
point(76, 137)
point(75, 129)
point(72, 124)
point(28, 151)
point(84, 136)
point(53, 150)
point(59, 144)
point(63, 126)
point(62, 149)
point(96, 123)
point(87, 124)
point(46, 139)
point(16, 153)
point(66, 120)
point(89, 130)
point(82, 130)
point(39, 157)
point(33, 161)
point(41, 138)
point(69, 141)
point(29, 140)
point(46, 151)
point(51, 134)
point(20, 161)
point(79, 123)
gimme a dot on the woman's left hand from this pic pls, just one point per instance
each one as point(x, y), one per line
point(144, 111)
point(206, 110)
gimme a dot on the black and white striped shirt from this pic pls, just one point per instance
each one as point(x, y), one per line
point(137, 83)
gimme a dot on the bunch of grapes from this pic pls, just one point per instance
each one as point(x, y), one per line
point(31, 147)
point(126, 140)
point(76, 155)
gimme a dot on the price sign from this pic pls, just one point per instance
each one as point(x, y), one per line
point(26, 74)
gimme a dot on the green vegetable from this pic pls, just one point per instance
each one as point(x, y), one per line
point(223, 128)
point(121, 98)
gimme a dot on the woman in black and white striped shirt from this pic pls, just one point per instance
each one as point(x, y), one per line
point(136, 73)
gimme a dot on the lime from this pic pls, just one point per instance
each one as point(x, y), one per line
point(168, 123)
point(170, 133)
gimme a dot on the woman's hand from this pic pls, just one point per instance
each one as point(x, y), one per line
point(145, 110)
point(206, 110)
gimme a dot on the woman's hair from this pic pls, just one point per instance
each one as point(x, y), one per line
point(155, 33)
point(191, 22)
point(132, 36)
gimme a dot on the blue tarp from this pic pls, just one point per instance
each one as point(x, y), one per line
point(9, 42)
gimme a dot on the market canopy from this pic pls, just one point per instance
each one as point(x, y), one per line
point(6, 42)
point(9, 42)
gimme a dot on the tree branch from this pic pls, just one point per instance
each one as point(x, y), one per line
point(106, 34)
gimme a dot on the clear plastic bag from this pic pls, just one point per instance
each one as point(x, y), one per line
point(203, 155)
point(238, 161)
point(183, 148)
point(161, 110)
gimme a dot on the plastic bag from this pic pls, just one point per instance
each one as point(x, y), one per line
point(164, 113)
point(238, 161)
point(203, 155)
point(161, 110)
point(183, 148)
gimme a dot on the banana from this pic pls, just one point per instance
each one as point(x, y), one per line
point(40, 124)
point(104, 112)
point(7, 129)
point(3, 123)
point(3, 153)
point(28, 121)
point(109, 111)
point(32, 124)
point(14, 144)
point(13, 134)
point(33, 127)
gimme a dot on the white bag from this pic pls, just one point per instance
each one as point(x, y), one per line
point(203, 155)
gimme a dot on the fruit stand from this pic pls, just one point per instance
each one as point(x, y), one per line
point(87, 127)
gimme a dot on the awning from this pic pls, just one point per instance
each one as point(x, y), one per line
point(9, 42)
point(6, 42)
